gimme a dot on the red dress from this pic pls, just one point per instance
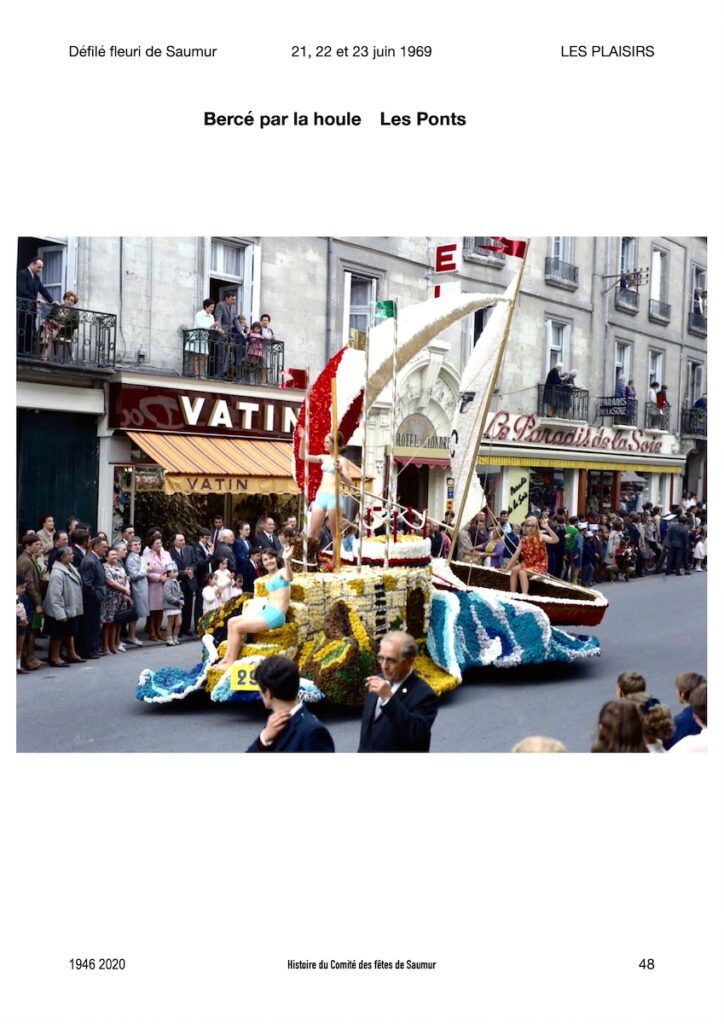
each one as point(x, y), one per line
point(533, 554)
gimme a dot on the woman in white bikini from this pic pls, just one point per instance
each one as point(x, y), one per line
point(324, 504)
point(274, 614)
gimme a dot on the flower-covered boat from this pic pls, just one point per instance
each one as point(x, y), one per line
point(565, 604)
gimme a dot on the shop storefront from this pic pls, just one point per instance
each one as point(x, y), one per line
point(584, 469)
point(206, 451)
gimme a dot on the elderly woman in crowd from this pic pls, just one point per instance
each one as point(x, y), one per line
point(137, 572)
point(63, 607)
point(156, 561)
point(29, 567)
point(118, 595)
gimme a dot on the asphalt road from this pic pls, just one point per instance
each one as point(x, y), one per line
point(656, 626)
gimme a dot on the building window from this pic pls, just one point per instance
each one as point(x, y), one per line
point(561, 248)
point(628, 256)
point(558, 341)
point(623, 361)
point(694, 382)
point(698, 303)
point(53, 257)
point(659, 309)
point(360, 292)
point(474, 248)
point(656, 367)
point(228, 266)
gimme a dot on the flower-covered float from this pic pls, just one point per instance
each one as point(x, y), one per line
point(335, 620)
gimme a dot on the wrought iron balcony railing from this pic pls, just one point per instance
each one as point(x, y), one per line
point(660, 311)
point(563, 400)
point(697, 323)
point(627, 300)
point(693, 421)
point(473, 245)
point(206, 353)
point(657, 417)
point(58, 334)
point(560, 273)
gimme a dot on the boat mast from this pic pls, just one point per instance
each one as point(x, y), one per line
point(488, 399)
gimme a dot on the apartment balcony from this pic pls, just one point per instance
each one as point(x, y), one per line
point(210, 356)
point(627, 300)
point(563, 402)
point(561, 274)
point(656, 417)
point(659, 312)
point(697, 323)
point(473, 249)
point(55, 335)
point(623, 411)
point(693, 422)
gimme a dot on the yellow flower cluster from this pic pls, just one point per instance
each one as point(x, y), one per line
point(435, 677)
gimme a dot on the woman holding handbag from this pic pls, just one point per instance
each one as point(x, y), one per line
point(137, 572)
point(63, 607)
point(118, 595)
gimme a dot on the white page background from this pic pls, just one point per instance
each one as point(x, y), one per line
point(536, 884)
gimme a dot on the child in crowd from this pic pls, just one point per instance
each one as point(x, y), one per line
point(173, 602)
point(24, 616)
point(696, 744)
point(657, 721)
point(700, 551)
point(685, 724)
point(211, 594)
point(628, 683)
point(589, 559)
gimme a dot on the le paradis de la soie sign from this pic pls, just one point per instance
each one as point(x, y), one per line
point(135, 407)
point(505, 426)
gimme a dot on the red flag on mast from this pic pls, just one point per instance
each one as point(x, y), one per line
point(509, 247)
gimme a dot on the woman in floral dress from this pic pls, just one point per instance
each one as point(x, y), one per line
point(118, 593)
point(530, 557)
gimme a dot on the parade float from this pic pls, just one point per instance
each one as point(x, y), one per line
point(460, 615)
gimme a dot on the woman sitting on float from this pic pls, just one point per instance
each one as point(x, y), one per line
point(531, 552)
point(325, 502)
point(278, 583)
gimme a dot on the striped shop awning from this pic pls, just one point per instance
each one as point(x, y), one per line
point(195, 464)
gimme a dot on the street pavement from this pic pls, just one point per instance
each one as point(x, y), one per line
point(656, 626)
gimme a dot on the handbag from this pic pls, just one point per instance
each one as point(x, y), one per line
point(125, 615)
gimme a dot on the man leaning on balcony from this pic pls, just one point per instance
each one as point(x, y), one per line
point(31, 293)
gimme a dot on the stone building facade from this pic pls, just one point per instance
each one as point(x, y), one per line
point(582, 302)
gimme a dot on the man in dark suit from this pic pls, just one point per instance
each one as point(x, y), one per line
point(29, 288)
point(216, 530)
point(225, 317)
point(291, 728)
point(80, 543)
point(184, 555)
point(224, 550)
point(204, 550)
point(400, 707)
point(677, 538)
point(93, 576)
point(267, 538)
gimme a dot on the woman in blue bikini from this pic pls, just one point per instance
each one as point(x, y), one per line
point(324, 503)
point(274, 614)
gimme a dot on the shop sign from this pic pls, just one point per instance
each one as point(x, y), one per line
point(137, 407)
point(519, 495)
point(613, 406)
point(505, 426)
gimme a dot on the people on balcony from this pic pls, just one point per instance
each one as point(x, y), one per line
point(225, 316)
point(551, 388)
point(59, 328)
point(620, 391)
point(197, 345)
point(255, 354)
point(662, 402)
point(32, 293)
point(700, 403)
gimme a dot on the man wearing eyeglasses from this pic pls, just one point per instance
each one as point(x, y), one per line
point(400, 707)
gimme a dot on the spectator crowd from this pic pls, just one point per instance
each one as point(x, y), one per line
point(89, 595)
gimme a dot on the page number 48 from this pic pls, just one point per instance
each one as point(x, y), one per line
point(647, 965)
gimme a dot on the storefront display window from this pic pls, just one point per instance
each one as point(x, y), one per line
point(546, 490)
point(599, 498)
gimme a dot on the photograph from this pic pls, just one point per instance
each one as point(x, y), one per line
point(361, 494)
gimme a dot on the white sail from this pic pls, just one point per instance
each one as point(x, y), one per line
point(477, 380)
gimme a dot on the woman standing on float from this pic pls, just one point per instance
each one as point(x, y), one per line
point(532, 552)
point(278, 582)
point(325, 502)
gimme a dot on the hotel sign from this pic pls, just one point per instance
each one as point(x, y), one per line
point(527, 429)
point(137, 407)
